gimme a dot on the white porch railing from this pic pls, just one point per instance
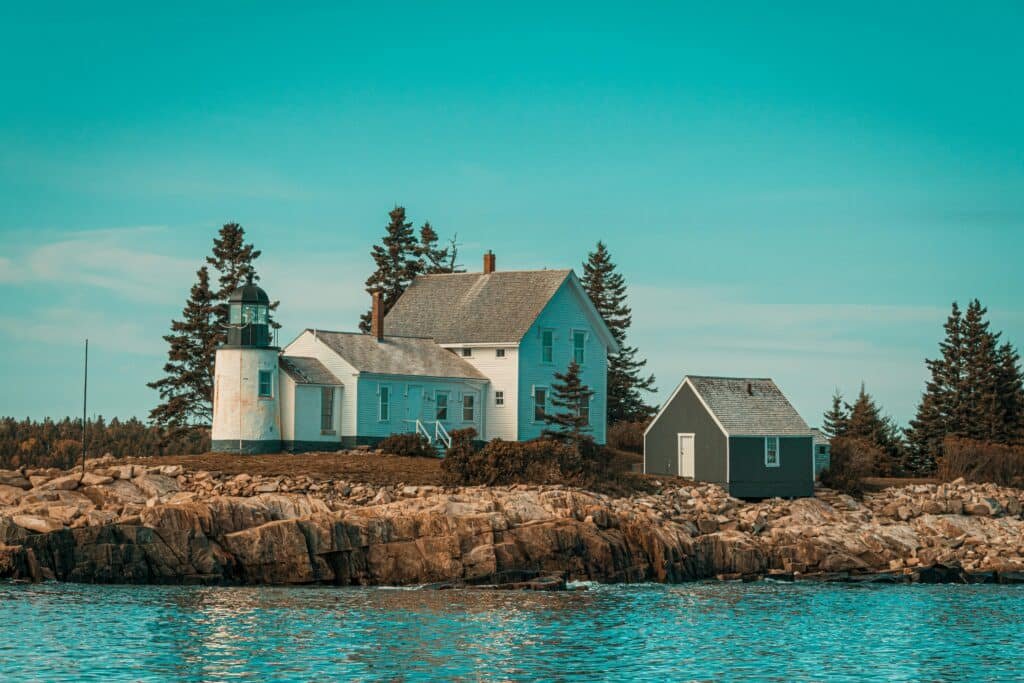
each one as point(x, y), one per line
point(441, 434)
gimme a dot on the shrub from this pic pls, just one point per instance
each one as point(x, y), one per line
point(627, 436)
point(410, 443)
point(851, 462)
point(981, 461)
point(541, 461)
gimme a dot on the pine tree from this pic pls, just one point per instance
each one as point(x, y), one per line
point(571, 397)
point(1009, 413)
point(941, 412)
point(607, 290)
point(233, 260)
point(980, 387)
point(186, 390)
point(836, 418)
point(433, 258)
point(398, 261)
point(865, 421)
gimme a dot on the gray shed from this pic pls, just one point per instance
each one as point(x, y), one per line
point(741, 433)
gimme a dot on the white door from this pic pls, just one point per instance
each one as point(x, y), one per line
point(686, 455)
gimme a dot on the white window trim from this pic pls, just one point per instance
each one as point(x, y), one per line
point(467, 352)
point(380, 403)
point(572, 345)
point(533, 408)
point(778, 452)
point(542, 346)
point(499, 353)
point(499, 394)
point(472, 399)
point(447, 404)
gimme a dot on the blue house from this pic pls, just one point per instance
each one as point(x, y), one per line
point(455, 351)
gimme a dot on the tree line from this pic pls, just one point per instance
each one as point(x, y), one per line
point(975, 391)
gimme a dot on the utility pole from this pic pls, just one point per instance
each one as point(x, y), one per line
point(85, 398)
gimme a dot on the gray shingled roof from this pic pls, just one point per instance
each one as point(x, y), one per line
point(819, 437)
point(473, 308)
point(307, 370)
point(397, 355)
point(760, 410)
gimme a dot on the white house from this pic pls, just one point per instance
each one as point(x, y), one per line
point(457, 350)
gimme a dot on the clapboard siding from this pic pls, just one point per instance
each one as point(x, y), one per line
point(309, 346)
point(370, 424)
point(564, 313)
point(503, 373)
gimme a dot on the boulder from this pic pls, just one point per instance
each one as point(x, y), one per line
point(156, 485)
point(10, 495)
point(15, 479)
point(41, 525)
point(68, 482)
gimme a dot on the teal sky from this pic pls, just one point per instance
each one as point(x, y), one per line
point(790, 192)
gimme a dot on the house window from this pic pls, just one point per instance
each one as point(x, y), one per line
point(327, 410)
point(547, 346)
point(467, 353)
point(384, 410)
point(583, 410)
point(266, 384)
point(499, 398)
point(540, 399)
point(442, 405)
point(468, 407)
point(822, 450)
point(579, 338)
point(500, 353)
point(771, 451)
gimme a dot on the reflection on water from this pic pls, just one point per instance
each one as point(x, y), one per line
point(763, 631)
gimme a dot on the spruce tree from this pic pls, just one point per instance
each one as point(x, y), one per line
point(865, 421)
point(571, 399)
point(836, 418)
point(941, 411)
point(186, 390)
point(1009, 413)
point(607, 290)
point(980, 387)
point(434, 258)
point(398, 261)
point(233, 260)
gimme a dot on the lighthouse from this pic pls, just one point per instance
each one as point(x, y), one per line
point(246, 415)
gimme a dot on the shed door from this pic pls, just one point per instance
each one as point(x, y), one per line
point(686, 455)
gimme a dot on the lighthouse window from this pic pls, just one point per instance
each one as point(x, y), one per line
point(254, 314)
point(266, 384)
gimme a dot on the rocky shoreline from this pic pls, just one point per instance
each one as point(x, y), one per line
point(130, 523)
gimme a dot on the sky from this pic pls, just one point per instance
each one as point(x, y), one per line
point(790, 192)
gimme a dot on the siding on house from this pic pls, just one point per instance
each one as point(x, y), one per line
point(685, 414)
point(749, 478)
point(287, 399)
point(503, 373)
point(402, 413)
point(308, 404)
point(306, 344)
point(564, 313)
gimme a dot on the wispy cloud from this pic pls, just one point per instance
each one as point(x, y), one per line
point(64, 326)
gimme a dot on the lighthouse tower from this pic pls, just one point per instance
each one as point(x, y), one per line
point(246, 414)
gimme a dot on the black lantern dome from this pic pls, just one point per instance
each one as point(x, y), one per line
point(248, 307)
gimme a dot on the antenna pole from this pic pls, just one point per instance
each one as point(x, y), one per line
point(85, 397)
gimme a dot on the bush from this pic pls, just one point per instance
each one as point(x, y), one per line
point(981, 461)
point(627, 436)
point(541, 461)
point(851, 462)
point(410, 443)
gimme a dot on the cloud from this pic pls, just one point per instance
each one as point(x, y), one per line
point(64, 326)
point(106, 259)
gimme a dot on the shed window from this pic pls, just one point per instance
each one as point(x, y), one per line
point(547, 346)
point(579, 339)
point(499, 398)
point(771, 451)
point(384, 410)
point(468, 407)
point(540, 400)
point(327, 410)
point(266, 383)
point(441, 398)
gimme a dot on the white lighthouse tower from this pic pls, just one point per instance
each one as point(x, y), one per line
point(246, 414)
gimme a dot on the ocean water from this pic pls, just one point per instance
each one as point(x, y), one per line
point(700, 631)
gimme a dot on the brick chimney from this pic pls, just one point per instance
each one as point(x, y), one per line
point(488, 262)
point(377, 316)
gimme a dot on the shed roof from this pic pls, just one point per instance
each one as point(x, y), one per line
point(307, 370)
point(746, 406)
point(474, 308)
point(397, 355)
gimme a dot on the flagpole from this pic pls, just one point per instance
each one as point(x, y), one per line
point(85, 397)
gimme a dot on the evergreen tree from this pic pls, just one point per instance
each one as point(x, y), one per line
point(398, 261)
point(434, 258)
point(186, 390)
point(836, 418)
point(980, 387)
point(941, 411)
point(607, 290)
point(1009, 413)
point(571, 397)
point(865, 421)
point(233, 259)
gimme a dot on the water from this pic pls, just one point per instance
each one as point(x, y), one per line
point(762, 631)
